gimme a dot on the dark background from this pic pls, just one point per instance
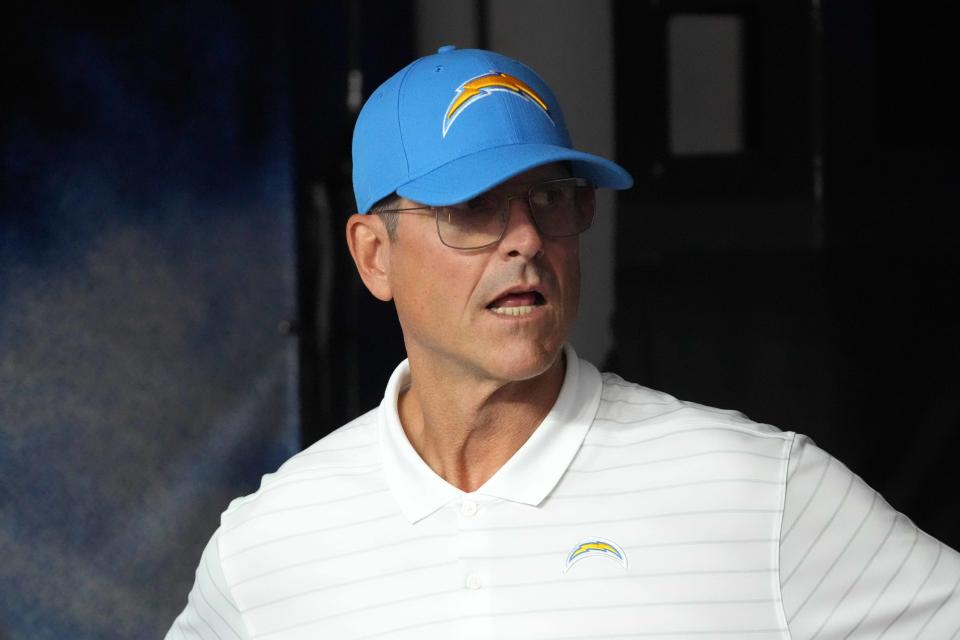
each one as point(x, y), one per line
point(809, 280)
point(178, 314)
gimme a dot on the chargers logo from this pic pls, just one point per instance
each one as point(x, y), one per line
point(595, 547)
point(482, 86)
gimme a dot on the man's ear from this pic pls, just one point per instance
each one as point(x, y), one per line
point(370, 247)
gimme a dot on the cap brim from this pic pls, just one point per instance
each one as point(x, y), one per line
point(471, 175)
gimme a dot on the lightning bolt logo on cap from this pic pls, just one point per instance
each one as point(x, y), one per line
point(595, 547)
point(484, 85)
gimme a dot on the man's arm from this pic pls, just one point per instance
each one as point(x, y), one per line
point(853, 567)
point(211, 613)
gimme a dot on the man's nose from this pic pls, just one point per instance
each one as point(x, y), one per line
point(521, 237)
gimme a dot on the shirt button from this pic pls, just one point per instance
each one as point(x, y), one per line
point(473, 581)
point(468, 508)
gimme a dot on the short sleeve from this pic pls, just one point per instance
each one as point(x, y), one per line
point(853, 567)
point(210, 614)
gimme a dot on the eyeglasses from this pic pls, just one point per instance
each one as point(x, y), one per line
point(559, 209)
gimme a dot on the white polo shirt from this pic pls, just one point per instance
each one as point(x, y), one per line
point(627, 514)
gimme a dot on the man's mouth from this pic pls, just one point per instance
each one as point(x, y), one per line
point(520, 303)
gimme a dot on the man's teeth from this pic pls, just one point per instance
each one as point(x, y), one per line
point(514, 311)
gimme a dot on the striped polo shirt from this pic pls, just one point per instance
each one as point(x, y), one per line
point(626, 514)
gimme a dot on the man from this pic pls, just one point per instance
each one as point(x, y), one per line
point(506, 489)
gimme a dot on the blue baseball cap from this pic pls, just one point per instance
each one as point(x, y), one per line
point(449, 126)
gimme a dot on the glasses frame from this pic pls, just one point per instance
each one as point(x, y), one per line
point(435, 210)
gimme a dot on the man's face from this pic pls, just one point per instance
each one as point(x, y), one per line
point(500, 313)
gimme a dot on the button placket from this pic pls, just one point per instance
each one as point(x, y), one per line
point(468, 512)
point(475, 597)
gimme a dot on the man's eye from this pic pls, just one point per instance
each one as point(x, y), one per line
point(549, 197)
point(481, 204)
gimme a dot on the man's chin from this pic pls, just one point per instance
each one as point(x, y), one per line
point(517, 363)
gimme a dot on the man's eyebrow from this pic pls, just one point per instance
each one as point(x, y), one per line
point(506, 187)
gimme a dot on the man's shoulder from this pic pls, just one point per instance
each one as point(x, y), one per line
point(333, 466)
point(355, 443)
point(630, 410)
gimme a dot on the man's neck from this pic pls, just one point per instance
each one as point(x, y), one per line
point(466, 429)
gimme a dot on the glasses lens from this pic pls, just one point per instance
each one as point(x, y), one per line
point(563, 207)
point(472, 224)
point(560, 208)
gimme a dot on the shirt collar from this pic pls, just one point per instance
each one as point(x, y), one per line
point(527, 477)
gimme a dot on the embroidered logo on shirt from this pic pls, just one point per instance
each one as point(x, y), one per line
point(595, 547)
